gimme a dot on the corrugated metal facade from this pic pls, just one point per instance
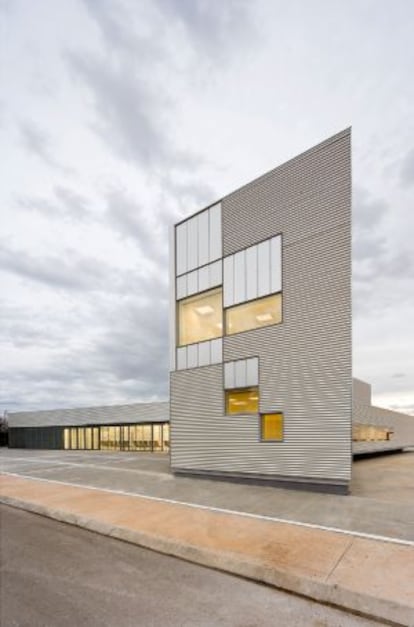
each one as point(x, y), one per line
point(304, 362)
point(111, 414)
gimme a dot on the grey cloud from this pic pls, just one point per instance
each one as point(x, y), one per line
point(398, 375)
point(116, 24)
point(124, 361)
point(134, 221)
point(129, 110)
point(138, 348)
point(407, 169)
point(74, 203)
point(211, 26)
point(65, 203)
point(65, 271)
point(38, 142)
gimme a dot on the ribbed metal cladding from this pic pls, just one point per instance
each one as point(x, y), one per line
point(110, 414)
point(305, 363)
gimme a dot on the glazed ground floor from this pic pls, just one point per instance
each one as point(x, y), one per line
point(150, 437)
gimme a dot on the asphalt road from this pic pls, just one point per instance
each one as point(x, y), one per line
point(56, 575)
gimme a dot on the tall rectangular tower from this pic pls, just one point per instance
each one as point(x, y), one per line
point(261, 354)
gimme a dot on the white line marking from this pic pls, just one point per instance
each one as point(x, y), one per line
point(85, 465)
point(356, 534)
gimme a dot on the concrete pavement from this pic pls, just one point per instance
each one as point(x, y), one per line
point(57, 575)
point(361, 574)
point(381, 500)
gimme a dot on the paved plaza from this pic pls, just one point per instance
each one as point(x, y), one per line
point(381, 500)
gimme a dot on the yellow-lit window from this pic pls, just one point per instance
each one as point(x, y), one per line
point(243, 401)
point(272, 426)
point(200, 317)
point(254, 315)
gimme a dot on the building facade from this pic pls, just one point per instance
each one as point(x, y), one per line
point(134, 427)
point(377, 429)
point(261, 373)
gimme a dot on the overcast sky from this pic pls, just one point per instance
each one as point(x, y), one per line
point(119, 117)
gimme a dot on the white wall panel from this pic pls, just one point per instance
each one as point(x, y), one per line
point(252, 371)
point(215, 243)
point(263, 267)
point(204, 354)
point(203, 279)
point(192, 243)
point(215, 273)
point(228, 281)
point(181, 287)
point(239, 277)
point(182, 358)
point(229, 381)
point(216, 351)
point(181, 248)
point(276, 264)
point(251, 273)
point(192, 282)
point(192, 356)
point(240, 373)
point(203, 238)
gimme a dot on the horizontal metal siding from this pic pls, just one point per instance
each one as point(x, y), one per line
point(112, 414)
point(305, 362)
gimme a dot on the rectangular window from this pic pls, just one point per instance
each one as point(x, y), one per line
point(81, 438)
point(200, 317)
point(242, 401)
point(272, 427)
point(254, 315)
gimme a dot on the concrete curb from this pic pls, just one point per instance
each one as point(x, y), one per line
point(382, 610)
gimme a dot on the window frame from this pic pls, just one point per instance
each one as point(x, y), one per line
point(261, 422)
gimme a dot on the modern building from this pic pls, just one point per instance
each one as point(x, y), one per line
point(144, 427)
point(261, 352)
point(135, 427)
point(376, 429)
point(261, 384)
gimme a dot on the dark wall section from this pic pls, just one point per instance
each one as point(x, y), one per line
point(36, 437)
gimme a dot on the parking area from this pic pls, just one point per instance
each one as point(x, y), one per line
point(381, 500)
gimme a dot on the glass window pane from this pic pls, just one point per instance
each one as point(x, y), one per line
point(147, 436)
point(132, 438)
point(73, 439)
point(66, 438)
point(272, 427)
point(200, 317)
point(125, 438)
point(81, 438)
point(96, 444)
point(88, 438)
point(254, 315)
point(157, 435)
point(242, 401)
point(104, 436)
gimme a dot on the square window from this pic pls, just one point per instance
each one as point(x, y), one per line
point(242, 401)
point(272, 427)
